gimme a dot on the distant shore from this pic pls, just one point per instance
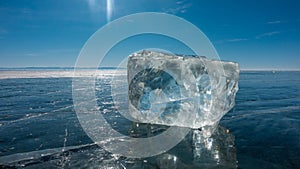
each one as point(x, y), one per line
point(59, 68)
point(117, 68)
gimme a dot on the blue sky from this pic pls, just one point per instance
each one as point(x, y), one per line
point(257, 34)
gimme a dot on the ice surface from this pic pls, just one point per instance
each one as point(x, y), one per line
point(58, 73)
point(194, 151)
point(177, 90)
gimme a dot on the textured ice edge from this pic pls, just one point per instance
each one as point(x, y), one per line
point(177, 90)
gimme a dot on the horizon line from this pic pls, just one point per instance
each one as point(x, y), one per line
point(114, 67)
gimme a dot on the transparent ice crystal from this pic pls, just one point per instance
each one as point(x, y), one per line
point(178, 90)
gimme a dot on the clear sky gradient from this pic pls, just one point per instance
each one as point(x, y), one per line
point(257, 34)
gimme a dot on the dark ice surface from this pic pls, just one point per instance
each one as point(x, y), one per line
point(39, 127)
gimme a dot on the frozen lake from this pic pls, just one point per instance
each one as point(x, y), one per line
point(39, 127)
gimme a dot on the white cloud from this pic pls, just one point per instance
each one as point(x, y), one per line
point(179, 2)
point(231, 40)
point(274, 22)
point(31, 54)
point(66, 50)
point(267, 34)
point(237, 40)
point(26, 11)
point(181, 7)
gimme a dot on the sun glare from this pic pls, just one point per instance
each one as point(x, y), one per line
point(109, 9)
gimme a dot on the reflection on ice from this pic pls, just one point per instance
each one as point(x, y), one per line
point(194, 151)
